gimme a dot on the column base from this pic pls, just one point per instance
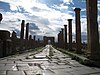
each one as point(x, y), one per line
point(95, 57)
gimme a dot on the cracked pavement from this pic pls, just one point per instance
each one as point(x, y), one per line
point(48, 62)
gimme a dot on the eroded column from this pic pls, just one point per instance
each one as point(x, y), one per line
point(34, 37)
point(62, 37)
point(27, 31)
point(92, 29)
point(65, 36)
point(70, 33)
point(78, 30)
point(22, 29)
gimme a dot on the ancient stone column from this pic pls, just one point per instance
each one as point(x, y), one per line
point(1, 17)
point(30, 37)
point(78, 30)
point(92, 29)
point(22, 29)
point(14, 35)
point(5, 37)
point(62, 34)
point(62, 37)
point(70, 33)
point(59, 39)
point(65, 36)
point(14, 41)
point(27, 31)
point(34, 37)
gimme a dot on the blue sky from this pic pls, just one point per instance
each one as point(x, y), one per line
point(46, 17)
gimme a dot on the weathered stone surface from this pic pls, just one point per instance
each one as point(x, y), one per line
point(15, 73)
point(2, 72)
point(27, 31)
point(65, 36)
point(92, 30)
point(57, 64)
point(78, 30)
point(70, 33)
point(22, 29)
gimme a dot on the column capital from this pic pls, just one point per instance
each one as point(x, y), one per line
point(65, 25)
point(27, 23)
point(62, 29)
point(69, 19)
point(77, 9)
point(23, 21)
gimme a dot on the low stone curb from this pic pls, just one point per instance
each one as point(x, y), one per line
point(80, 59)
point(35, 51)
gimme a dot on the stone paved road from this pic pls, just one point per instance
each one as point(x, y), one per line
point(48, 62)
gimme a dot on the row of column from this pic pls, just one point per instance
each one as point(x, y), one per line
point(70, 34)
point(22, 30)
point(92, 30)
point(78, 32)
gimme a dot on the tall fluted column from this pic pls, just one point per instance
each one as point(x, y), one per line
point(78, 30)
point(92, 29)
point(62, 37)
point(34, 37)
point(22, 29)
point(1, 17)
point(65, 36)
point(27, 31)
point(70, 33)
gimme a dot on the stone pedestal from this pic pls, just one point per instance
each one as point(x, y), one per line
point(70, 33)
point(78, 30)
point(92, 30)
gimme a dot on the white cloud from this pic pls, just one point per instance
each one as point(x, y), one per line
point(38, 13)
point(67, 1)
point(83, 25)
point(83, 9)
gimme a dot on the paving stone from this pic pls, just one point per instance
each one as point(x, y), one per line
point(22, 62)
point(85, 70)
point(2, 72)
point(32, 60)
point(95, 74)
point(75, 64)
point(13, 59)
point(34, 72)
point(15, 73)
point(48, 72)
point(63, 71)
point(43, 64)
point(6, 62)
point(2, 64)
point(8, 67)
point(22, 67)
